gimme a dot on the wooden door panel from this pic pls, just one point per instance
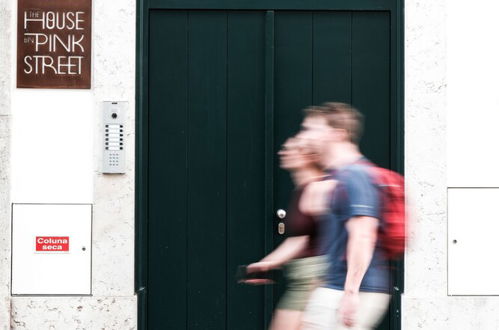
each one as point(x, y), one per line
point(332, 57)
point(245, 164)
point(207, 208)
point(167, 205)
point(206, 162)
point(371, 81)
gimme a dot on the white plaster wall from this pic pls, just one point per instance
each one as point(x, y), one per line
point(472, 93)
point(52, 179)
point(74, 313)
point(425, 303)
point(425, 167)
point(5, 83)
point(52, 140)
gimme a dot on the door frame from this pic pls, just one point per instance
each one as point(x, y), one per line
point(144, 7)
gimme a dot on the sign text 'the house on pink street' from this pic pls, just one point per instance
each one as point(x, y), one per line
point(54, 44)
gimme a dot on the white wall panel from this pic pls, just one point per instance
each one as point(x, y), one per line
point(473, 242)
point(47, 272)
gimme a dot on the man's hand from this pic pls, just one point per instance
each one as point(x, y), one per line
point(348, 309)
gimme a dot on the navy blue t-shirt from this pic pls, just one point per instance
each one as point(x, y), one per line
point(354, 195)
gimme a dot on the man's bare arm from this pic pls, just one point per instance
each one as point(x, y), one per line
point(362, 234)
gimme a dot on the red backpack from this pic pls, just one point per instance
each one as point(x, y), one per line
point(392, 233)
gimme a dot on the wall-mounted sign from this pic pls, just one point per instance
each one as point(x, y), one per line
point(54, 44)
point(52, 243)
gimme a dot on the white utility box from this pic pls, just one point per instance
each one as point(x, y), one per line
point(473, 227)
point(51, 249)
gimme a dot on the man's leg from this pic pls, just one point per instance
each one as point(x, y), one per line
point(321, 310)
point(372, 308)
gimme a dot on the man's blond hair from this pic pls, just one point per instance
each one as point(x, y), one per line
point(342, 116)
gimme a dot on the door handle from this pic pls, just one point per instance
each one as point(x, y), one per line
point(281, 214)
point(281, 227)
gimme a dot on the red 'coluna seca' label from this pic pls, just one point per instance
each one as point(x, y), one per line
point(52, 243)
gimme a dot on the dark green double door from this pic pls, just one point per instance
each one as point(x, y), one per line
point(225, 89)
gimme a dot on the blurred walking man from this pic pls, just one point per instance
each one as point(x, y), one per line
point(355, 294)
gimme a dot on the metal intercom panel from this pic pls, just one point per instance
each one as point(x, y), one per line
point(114, 133)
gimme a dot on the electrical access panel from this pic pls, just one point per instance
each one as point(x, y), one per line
point(472, 245)
point(51, 249)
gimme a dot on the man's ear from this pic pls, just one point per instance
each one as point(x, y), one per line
point(341, 134)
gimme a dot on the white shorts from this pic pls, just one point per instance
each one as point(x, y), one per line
point(321, 312)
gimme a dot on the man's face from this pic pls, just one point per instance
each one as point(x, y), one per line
point(317, 132)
